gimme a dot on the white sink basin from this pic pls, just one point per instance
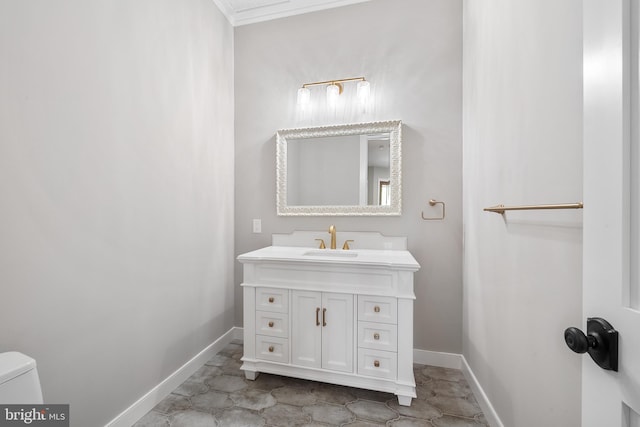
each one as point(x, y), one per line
point(331, 253)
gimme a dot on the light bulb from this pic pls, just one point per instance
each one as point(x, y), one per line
point(304, 97)
point(333, 91)
point(364, 90)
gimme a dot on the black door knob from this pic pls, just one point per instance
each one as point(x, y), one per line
point(601, 341)
point(577, 341)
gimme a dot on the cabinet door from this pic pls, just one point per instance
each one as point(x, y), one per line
point(306, 328)
point(337, 332)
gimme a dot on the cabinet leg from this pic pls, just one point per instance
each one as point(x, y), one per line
point(404, 400)
point(251, 375)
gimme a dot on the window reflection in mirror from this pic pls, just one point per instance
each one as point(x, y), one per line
point(384, 194)
point(378, 169)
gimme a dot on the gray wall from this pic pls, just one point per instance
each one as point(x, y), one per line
point(116, 193)
point(523, 145)
point(411, 52)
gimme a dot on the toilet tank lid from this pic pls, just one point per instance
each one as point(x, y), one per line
point(13, 363)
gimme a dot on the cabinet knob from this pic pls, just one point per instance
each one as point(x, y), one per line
point(376, 309)
point(271, 324)
point(376, 336)
point(376, 363)
point(271, 299)
point(271, 349)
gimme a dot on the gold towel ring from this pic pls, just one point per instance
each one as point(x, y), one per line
point(433, 202)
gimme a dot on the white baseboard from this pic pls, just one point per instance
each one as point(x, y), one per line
point(147, 402)
point(488, 410)
point(437, 358)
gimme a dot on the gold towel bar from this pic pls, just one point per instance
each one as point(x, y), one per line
point(501, 208)
point(433, 202)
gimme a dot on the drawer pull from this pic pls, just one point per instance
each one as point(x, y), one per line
point(271, 299)
point(317, 316)
point(271, 349)
point(376, 363)
point(376, 309)
point(376, 336)
point(271, 324)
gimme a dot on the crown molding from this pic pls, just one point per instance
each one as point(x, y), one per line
point(274, 9)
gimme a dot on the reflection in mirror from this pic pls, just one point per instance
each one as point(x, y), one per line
point(378, 169)
point(384, 198)
point(340, 170)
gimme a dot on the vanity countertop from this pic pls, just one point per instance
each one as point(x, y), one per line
point(393, 259)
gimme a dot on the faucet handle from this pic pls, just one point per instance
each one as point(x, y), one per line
point(322, 245)
point(346, 245)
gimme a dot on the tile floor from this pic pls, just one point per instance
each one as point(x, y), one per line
point(219, 395)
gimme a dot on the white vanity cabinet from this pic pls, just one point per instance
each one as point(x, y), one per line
point(272, 324)
point(330, 316)
point(377, 336)
point(322, 330)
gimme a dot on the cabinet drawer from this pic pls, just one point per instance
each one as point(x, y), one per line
point(276, 300)
point(379, 336)
point(377, 309)
point(272, 348)
point(377, 363)
point(272, 324)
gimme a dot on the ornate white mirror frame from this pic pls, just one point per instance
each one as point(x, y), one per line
point(285, 136)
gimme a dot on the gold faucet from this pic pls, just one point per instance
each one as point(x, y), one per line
point(332, 231)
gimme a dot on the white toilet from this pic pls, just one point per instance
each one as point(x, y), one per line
point(19, 382)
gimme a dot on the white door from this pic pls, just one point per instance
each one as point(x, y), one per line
point(611, 197)
point(337, 332)
point(306, 329)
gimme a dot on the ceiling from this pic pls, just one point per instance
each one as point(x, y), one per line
point(242, 12)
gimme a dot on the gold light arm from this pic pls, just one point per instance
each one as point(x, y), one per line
point(501, 209)
point(330, 82)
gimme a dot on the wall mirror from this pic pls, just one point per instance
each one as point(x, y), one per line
point(346, 170)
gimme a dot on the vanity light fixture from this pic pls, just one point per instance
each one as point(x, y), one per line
point(304, 97)
point(334, 89)
point(364, 90)
point(333, 92)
